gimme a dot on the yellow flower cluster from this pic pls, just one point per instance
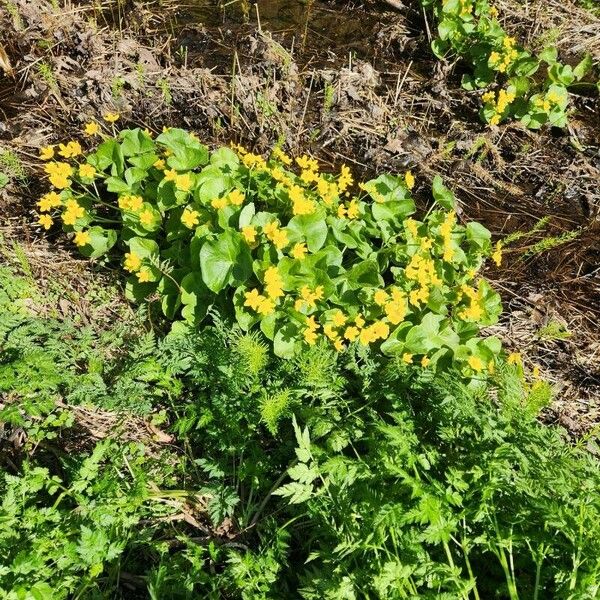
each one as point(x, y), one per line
point(350, 210)
point(276, 235)
point(546, 103)
point(301, 205)
point(131, 203)
point(182, 181)
point(446, 232)
point(345, 179)
point(505, 99)
point(308, 297)
point(49, 201)
point(500, 61)
point(234, 198)
point(70, 150)
point(497, 255)
point(474, 311)
point(73, 212)
point(59, 173)
point(273, 283)
point(310, 333)
point(259, 303)
point(278, 154)
point(393, 303)
point(265, 304)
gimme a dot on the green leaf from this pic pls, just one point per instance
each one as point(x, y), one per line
point(135, 141)
point(583, 67)
point(187, 153)
point(101, 241)
point(478, 235)
point(143, 247)
point(285, 343)
point(442, 195)
point(195, 297)
point(225, 261)
point(311, 228)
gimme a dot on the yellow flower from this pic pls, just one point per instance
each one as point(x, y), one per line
point(253, 299)
point(308, 176)
point(73, 212)
point(183, 182)
point(87, 171)
point(409, 180)
point(45, 221)
point(407, 358)
point(49, 201)
point(301, 205)
point(146, 217)
point(475, 363)
point(353, 211)
point(82, 238)
point(270, 229)
point(280, 239)
point(299, 251)
point(329, 331)
point(112, 117)
point(338, 344)
point(488, 97)
point(497, 255)
point(92, 128)
point(345, 179)
point(47, 152)
point(59, 181)
point(351, 333)
point(273, 283)
point(170, 175)
point(536, 372)
point(514, 358)
point(190, 218)
point(341, 212)
point(425, 361)
point(249, 233)
point(219, 203)
point(132, 262)
point(381, 330)
point(278, 154)
point(266, 306)
point(144, 275)
point(412, 227)
point(359, 321)
point(494, 58)
point(380, 297)
point(339, 318)
point(495, 120)
point(70, 150)
point(310, 164)
point(159, 164)
point(236, 197)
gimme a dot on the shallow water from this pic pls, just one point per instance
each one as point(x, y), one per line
point(311, 28)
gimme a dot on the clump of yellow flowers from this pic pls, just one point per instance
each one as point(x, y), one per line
point(308, 256)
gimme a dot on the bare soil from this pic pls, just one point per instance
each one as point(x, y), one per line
point(349, 82)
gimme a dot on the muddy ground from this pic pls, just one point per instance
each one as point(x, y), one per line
point(349, 82)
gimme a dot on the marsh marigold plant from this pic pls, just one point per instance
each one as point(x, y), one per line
point(306, 256)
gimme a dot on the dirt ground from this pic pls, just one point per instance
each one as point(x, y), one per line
point(349, 82)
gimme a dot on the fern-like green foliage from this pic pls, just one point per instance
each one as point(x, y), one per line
point(325, 476)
